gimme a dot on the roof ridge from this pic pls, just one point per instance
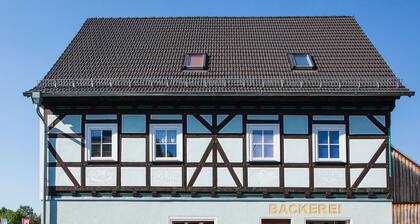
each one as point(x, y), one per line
point(221, 17)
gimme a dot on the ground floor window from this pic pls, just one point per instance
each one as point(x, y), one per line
point(275, 221)
point(326, 222)
point(193, 222)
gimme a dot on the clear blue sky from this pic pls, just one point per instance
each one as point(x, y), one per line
point(33, 34)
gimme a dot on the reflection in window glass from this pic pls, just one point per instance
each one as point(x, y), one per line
point(101, 143)
point(165, 143)
point(262, 143)
point(328, 144)
point(302, 61)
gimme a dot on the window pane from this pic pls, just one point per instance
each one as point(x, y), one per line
point(196, 60)
point(106, 150)
point(106, 136)
point(334, 137)
point(268, 136)
point(171, 136)
point(96, 150)
point(160, 136)
point(257, 150)
point(160, 150)
point(334, 151)
point(95, 136)
point(268, 151)
point(301, 60)
point(171, 150)
point(323, 137)
point(256, 136)
point(322, 151)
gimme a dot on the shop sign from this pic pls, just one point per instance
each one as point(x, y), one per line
point(304, 208)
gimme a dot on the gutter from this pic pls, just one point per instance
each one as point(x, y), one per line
point(232, 94)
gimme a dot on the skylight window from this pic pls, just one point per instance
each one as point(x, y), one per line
point(302, 61)
point(195, 61)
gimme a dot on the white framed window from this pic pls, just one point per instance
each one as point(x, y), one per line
point(329, 143)
point(166, 142)
point(101, 142)
point(263, 142)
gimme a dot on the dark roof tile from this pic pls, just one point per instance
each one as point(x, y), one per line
point(141, 56)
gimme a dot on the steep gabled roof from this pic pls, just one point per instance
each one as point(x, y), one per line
point(247, 56)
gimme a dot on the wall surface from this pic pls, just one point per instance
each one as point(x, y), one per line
point(294, 165)
point(243, 211)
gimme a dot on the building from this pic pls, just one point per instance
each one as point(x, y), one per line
point(406, 197)
point(218, 120)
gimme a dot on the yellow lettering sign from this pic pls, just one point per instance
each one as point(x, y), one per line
point(306, 208)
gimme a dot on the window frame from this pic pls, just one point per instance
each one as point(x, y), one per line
point(114, 144)
point(297, 67)
point(341, 128)
point(205, 62)
point(173, 220)
point(179, 142)
point(276, 142)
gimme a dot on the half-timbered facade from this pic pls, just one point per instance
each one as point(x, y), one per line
point(218, 120)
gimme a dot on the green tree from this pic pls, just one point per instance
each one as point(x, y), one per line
point(15, 217)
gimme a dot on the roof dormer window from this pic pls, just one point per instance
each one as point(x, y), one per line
point(195, 61)
point(302, 61)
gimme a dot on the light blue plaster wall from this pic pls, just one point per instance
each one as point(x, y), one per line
point(295, 124)
point(134, 123)
point(223, 211)
point(194, 126)
point(262, 117)
point(362, 125)
point(207, 117)
point(234, 126)
point(220, 118)
point(328, 117)
point(166, 117)
point(381, 119)
point(101, 117)
point(69, 124)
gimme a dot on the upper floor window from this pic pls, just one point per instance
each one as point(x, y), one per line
point(101, 141)
point(263, 142)
point(329, 142)
point(302, 61)
point(166, 142)
point(195, 61)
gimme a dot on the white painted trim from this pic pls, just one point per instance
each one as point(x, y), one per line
point(101, 117)
point(341, 128)
point(111, 127)
point(175, 127)
point(276, 141)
